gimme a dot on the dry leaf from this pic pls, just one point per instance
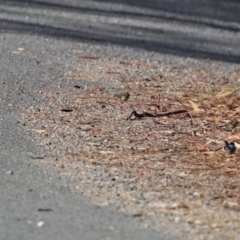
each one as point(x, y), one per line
point(194, 106)
point(225, 93)
point(237, 145)
point(234, 138)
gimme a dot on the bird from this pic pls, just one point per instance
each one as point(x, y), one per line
point(122, 96)
point(229, 147)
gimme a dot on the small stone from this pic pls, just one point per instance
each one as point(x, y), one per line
point(196, 194)
point(10, 172)
point(40, 224)
point(177, 219)
point(197, 222)
point(111, 228)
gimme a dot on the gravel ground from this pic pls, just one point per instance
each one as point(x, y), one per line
point(60, 75)
point(119, 163)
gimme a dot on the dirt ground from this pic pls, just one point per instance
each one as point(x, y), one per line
point(166, 160)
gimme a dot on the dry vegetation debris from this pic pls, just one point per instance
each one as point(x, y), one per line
point(151, 163)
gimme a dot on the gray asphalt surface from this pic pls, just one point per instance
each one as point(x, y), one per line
point(201, 29)
point(38, 42)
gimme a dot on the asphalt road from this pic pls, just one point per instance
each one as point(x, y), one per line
point(201, 29)
point(37, 42)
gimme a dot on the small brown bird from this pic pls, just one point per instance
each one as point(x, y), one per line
point(123, 96)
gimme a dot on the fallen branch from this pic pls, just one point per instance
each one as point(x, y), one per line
point(146, 114)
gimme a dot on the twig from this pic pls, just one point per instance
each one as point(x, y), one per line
point(66, 110)
point(181, 103)
point(87, 57)
point(146, 114)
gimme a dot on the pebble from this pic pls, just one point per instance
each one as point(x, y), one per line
point(40, 224)
point(10, 172)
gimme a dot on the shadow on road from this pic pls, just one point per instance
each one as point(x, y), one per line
point(205, 29)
